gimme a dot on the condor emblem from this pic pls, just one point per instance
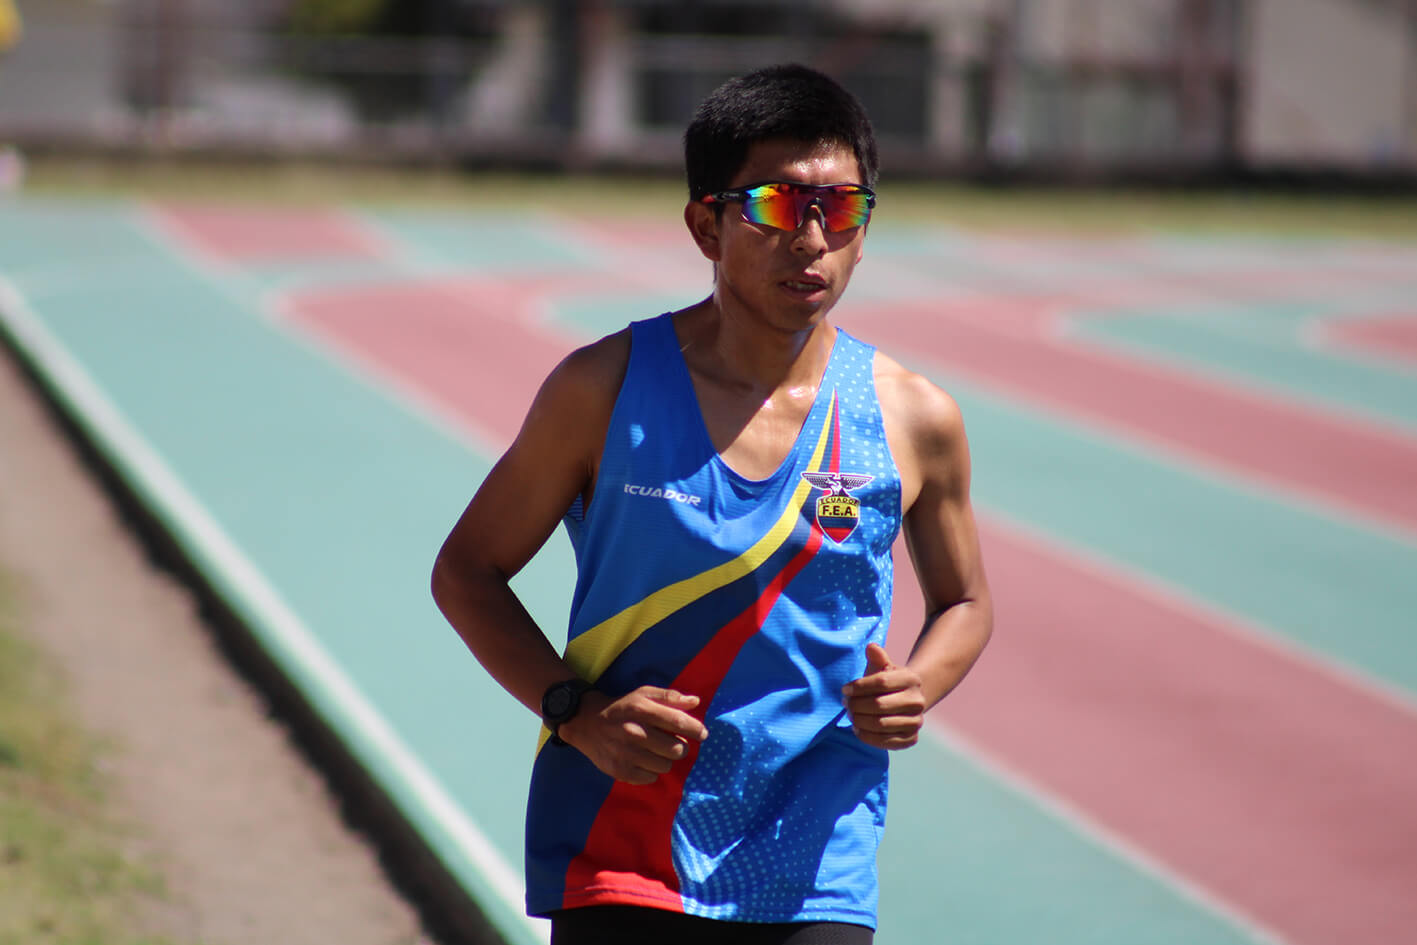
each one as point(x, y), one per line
point(838, 514)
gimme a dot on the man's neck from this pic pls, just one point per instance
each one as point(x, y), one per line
point(738, 351)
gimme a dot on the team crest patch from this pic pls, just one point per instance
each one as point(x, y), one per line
point(838, 513)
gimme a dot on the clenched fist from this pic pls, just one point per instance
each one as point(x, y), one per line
point(638, 736)
point(887, 704)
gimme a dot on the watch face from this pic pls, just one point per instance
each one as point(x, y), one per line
point(558, 701)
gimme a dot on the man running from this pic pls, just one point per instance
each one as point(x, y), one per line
point(713, 758)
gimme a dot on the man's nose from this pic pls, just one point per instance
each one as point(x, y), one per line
point(812, 232)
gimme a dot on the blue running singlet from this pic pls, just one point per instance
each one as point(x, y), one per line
point(758, 596)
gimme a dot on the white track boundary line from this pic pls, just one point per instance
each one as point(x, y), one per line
point(257, 594)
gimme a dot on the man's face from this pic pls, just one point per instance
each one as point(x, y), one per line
point(787, 279)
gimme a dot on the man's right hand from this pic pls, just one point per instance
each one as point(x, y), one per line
point(638, 736)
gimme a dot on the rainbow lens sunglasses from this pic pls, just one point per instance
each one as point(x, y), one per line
point(783, 205)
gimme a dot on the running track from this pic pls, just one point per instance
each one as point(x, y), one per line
point(1195, 471)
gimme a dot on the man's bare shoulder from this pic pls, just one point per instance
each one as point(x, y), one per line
point(596, 368)
point(586, 382)
point(917, 410)
point(557, 449)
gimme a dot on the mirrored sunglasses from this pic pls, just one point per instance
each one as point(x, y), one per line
point(784, 205)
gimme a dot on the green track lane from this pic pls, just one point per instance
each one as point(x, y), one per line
point(992, 866)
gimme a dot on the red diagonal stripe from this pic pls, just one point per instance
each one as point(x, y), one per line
point(634, 824)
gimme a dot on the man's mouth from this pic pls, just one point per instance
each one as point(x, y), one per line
point(805, 285)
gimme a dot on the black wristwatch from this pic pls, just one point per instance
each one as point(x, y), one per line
point(560, 704)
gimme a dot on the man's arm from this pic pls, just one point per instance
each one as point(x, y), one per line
point(926, 433)
point(553, 459)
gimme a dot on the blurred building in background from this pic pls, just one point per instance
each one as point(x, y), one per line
point(1046, 88)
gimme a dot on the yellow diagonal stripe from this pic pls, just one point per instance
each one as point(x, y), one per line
point(593, 651)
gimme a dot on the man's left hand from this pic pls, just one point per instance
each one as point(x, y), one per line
point(887, 704)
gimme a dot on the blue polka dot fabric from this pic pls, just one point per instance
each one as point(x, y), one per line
point(759, 596)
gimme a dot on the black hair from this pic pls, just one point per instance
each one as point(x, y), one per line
point(787, 101)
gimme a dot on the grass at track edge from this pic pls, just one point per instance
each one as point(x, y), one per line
point(1097, 211)
point(69, 872)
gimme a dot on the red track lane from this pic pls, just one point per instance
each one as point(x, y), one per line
point(1365, 470)
point(635, 236)
point(1143, 264)
point(1280, 789)
point(1268, 782)
point(253, 234)
point(437, 337)
point(1387, 335)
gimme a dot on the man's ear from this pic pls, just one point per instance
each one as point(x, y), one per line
point(703, 227)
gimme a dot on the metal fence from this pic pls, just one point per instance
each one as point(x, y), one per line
point(1154, 86)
